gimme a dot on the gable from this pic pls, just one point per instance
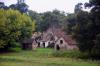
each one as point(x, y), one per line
point(61, 41)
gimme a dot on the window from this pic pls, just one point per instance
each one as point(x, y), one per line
point(61, 41)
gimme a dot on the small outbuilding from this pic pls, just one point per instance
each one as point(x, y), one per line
point(29, 44)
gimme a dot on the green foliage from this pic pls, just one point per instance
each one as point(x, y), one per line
point(14, 27)
point(78, 7)
point(2, 43)
point(23, 7)
point(38, 19)
point(20, 6)
point(86, 29)
point(69, 23)
point(48, 19)
point(82, 32)
point(71, 54)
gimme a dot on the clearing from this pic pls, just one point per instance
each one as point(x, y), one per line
point(41, 57)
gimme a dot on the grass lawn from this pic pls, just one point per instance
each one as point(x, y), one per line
point(42, 57)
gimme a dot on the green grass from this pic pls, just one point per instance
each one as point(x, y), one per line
point(42, 57)
point(71, 54)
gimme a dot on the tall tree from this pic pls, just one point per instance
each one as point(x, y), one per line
point(14, 28)
point(3, 6)
point(95, 13)
point(86, 31)
point(48, 19)
point(20, 6)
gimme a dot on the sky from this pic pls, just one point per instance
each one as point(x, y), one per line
point(49, 5)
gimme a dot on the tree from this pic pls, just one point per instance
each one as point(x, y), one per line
point(20, 6)
point(69, 22)
point(95, 13)
point(2, 6)
point(78, 7)
point(83, 32)
point(13, 6)
point(47, 19)
point(14, 28)
point(53, 19)
point(37, 17)
point(86, 30)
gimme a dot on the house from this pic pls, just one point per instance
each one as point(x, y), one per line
point(58, 39)
point(48, 39)
point(52, 38)
point(31, 43)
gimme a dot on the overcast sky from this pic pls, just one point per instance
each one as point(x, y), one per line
point(49, 5)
